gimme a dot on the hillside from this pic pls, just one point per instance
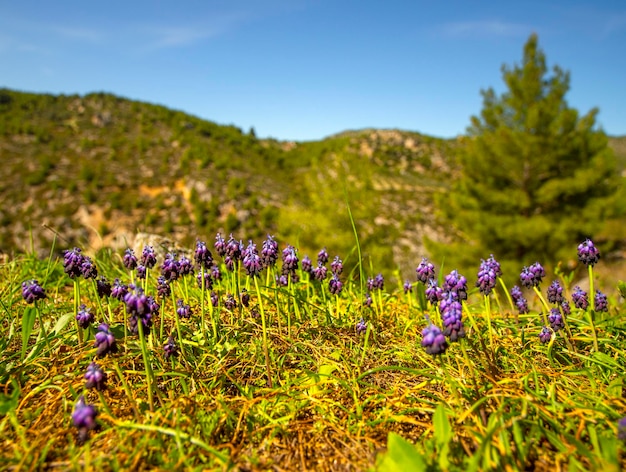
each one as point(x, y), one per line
point(97, 169)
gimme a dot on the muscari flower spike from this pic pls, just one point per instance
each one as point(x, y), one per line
point(621, 429)
point(322, 257)
point(519, 300)
point(170, 348)
point(88, 269)
point(368, 300)
point(72, 262)
point(457, 283)
point(361, 326)
point(556, 319)
point(170, 268)
point(32, 291)
point(531, 276)
point(555, 292)
point(230, 303)
point(433, 292)
point(84, 317)
point(425, 271)
point(183, 310)
point(141, 272)
point(202, 255)
point(269, 252)
point(319, 272)
point(334, 285)
point(119, 290)
point(433, 339)
point(579, 297)
point(545, 335)
point(588, 253)
point(290, 260)
point(307, 264)
point(245, 297)
point(220, 245)
point(336, 266)
point(601, 302)
point(451, 315)
point(104, 341)
point(185, 266)
point(251, 260)
point(129, 259)
point(407, 287)
point(84, 418)
point(148, 257)
point(95, 377)
point(103, 287)
point(208, 280)
point(488, 272)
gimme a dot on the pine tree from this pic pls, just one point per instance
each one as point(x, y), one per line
point(536, 178)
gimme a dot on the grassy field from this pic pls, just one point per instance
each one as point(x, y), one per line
point(247, 359)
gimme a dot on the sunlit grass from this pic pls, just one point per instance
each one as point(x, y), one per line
point(289, 382)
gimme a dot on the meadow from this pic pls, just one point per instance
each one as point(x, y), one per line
point(233, 356)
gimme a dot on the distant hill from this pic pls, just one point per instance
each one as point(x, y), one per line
point(98, 168)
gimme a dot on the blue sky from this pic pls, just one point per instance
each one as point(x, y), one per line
point(306, 69)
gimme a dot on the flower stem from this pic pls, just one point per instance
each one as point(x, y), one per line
point(265, 348)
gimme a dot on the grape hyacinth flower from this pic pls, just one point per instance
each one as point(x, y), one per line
point(141, 308)
point(588, 253)
point(621, 429)
point(361, 326)
point(334, 285)
point(555, 292)
point(170, 269)
point(408, 287)
point(368, 300)
point(532, 276)
point(88, 269)
point(216, 274)
point(601, 301)
point(488, 272)
point(202, 255)
point(129, 259)
point(519, 300)
point(103, 287)
point(148, 257)
point(290, 260)
point(556, 319)
point(170, 348)
point(185, 266)
point(457, 283)
point(141, 272)
point(251, 260)
point(433, 340)
point(269, 252)
point(234, 248)
point(183, 310)
point(230, 303)
point(208, 281)
point(104, 341)
point(214, 299)
point(566, 308)
point(425, 271)
point(282, 280)
point(32, 291)
point(95, 377)
point(84, 317)
point(220, 245)
point(307, 265)
point(433, 292)
point(245, 297)
point(322, 257)
point(72, 262)
point(545, 335)
point(319, 273)
point(119, 290)
point(375, 283)
point(451, 315)
point(336, 266)
point(84, 418)
point(579, 297)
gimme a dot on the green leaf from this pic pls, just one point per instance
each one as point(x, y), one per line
point(443, 435)
point(28, 321)
point(621, 286)
point(401, 456)
point(62, 322)
point(9, 402)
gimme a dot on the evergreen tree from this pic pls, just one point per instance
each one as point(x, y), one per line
point(536, 178)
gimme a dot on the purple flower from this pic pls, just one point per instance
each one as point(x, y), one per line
point(307, 265)
point(214, 299)
point(170, 348)
point(230, 303)
point(208, 281)
point(141, 272)
point(170, 269)
point(579, 297)
point(531, 276)
point(368, 300)
point(519, 300)
point(234, 249)
point(148, 257)
point(220, 245)
point(129, 259)
point(202, 256)
point(451, 315)
point(84, 317)
point(433, 292)
point(408, 287)
point(290, 260)
point(185, 266)
point(566, 308)
point(336, 265)
point(588, 254)
point(88, 269)
point(322, 257)
point(455, 282)
point(487, 274)
point(545, 335)
point(103, 287)
point(245, 297)
point(319, 273)
point(95, 377)
point(104, 341)
point(84, 418)
point(183, 310)
point(425, 271)
point(621, 429)
point(269, 252)
point(119, 290)
point(72, 262)
point(556, 319)
point(282, 280)
point(32, 291)
point(601, 303)
point(251, 260)
point(141, 308)
point(215, 273)
point(334, 285)
point(555, 292)
point(361, 326)
point(434, 340)
point(377, 282)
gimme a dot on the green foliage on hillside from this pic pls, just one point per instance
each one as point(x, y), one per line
point(536, 177)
